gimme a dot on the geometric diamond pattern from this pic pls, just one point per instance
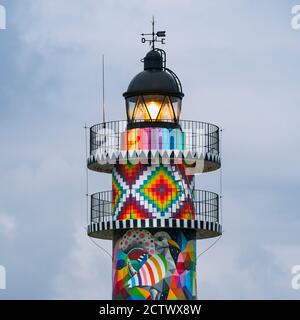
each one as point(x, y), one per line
point(117, 192)
point(186, 211)
point(130, 172)
point(152, 191)
point(132, 209)
point(160, 189)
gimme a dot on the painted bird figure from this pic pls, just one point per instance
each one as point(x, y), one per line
point(157, 270)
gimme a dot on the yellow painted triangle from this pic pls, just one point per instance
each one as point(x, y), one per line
point(171, 295)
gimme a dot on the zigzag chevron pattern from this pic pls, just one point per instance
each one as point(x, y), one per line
point(111, 157)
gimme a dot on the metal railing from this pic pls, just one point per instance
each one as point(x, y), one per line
point(199, 136)
point(205, 206)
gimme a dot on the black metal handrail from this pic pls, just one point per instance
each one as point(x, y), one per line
point(205, 203)
point(200, 136)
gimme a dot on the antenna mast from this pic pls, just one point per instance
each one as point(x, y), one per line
point(103, 90)
point(153, 34)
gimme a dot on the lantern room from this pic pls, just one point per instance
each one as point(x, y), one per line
point(154, 96)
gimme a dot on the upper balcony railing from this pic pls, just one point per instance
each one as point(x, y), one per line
point(194, 136)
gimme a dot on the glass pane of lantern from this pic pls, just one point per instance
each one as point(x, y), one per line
point(166, 112)
point(153, 103)
point(176, 102)
point(140, 112)
point(130, 104)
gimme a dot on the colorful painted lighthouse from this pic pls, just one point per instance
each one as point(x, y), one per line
point(153, 213)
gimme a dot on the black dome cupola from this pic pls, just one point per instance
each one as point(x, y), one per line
point(156, 78)
point(153, 61)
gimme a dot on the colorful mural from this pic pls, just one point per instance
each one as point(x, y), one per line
point(152, 139)
point(152, 191)
point(154, 264)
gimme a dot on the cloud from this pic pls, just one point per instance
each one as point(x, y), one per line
point(7, 226)
point(85, 272)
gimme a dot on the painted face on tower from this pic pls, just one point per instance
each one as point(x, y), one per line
point(163, 242)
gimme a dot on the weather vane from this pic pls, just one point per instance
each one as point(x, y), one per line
point(155, 36)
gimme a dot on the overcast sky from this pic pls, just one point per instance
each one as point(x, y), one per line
point(239, 66)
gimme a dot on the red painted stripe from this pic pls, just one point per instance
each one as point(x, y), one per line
point(150, 273)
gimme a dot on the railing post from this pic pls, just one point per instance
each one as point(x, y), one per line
point(218, 208)
point(91, 210)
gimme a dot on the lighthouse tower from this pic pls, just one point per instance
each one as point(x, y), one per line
point(154, 214)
